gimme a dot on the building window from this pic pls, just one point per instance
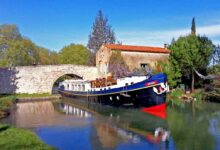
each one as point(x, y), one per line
point(144, 65)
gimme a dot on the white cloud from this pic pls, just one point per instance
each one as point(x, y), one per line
point(158, 38)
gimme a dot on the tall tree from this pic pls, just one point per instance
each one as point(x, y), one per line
point(193, 27)
point(102, 33)
point(8, 31)
point(191, 52)
point(74, 54)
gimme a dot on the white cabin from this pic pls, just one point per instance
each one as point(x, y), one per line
point(83, 85)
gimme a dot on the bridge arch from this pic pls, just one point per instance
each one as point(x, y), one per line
point(40, 79)
point(55, 82)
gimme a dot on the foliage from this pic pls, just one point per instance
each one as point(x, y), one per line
point(191, 52)
point(214, 69)
point(102, 33)
point(19, 52)
point(9, 32)
point(92, 59)
point(198, 95)
point(74, 54)
point(20, 139)
point(47, 57)
point(193, 28)
point(16, 50)
point(175, 95)
point(6, 101)
point(171, 69)
point(117, 65)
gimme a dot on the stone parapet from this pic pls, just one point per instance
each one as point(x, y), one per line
point(40, 79)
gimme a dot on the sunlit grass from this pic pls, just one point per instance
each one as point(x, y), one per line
point(6, 101)
point(32, 95)
point(12, 138)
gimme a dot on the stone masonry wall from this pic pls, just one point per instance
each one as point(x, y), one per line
point(134, 60)
point(40, 79)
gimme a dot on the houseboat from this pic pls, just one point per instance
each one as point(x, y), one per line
point(145, 91)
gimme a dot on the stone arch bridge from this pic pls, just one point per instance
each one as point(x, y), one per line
point(40, 78)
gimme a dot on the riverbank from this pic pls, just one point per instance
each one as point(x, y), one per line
point(178, 95)
point(16, 138)
point(20, 139)
point(36, 97)
point(6, 101)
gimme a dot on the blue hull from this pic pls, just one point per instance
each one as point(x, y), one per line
point(140, 94)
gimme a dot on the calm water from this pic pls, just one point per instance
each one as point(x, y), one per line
point(69, 126)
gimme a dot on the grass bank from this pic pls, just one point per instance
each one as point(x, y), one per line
point(177, 96)
point(32, 95)
point(6, 101)
point(15, 138)
point(20, 139)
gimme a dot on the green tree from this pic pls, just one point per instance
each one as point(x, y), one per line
point(191, 52)
point(53, 57)
point(47, 57)
point(172, 70)
point(9, 32)
point(16, 50)
point(74, 54)
point(193, 28)
point(18, 53)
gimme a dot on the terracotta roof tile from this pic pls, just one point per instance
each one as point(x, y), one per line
point(137, 48)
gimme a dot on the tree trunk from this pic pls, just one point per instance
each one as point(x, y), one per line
point(193, 81)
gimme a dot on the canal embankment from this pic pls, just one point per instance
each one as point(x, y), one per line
point(178, 95)
point(31, 98)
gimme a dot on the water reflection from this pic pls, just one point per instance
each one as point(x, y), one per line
point(191, 126)
point(123, 125)
point(69, 124)
point(38, 114)
point(72, 110)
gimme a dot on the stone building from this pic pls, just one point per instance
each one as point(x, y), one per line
point(134, 56)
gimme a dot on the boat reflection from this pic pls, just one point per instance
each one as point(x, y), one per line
point(117, 125)
point(73, 110)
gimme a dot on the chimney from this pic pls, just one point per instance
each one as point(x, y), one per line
point(165, 45)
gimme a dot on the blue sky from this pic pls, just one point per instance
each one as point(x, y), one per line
point(55, 23)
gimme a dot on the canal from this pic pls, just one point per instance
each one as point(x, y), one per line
point(68, 125)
